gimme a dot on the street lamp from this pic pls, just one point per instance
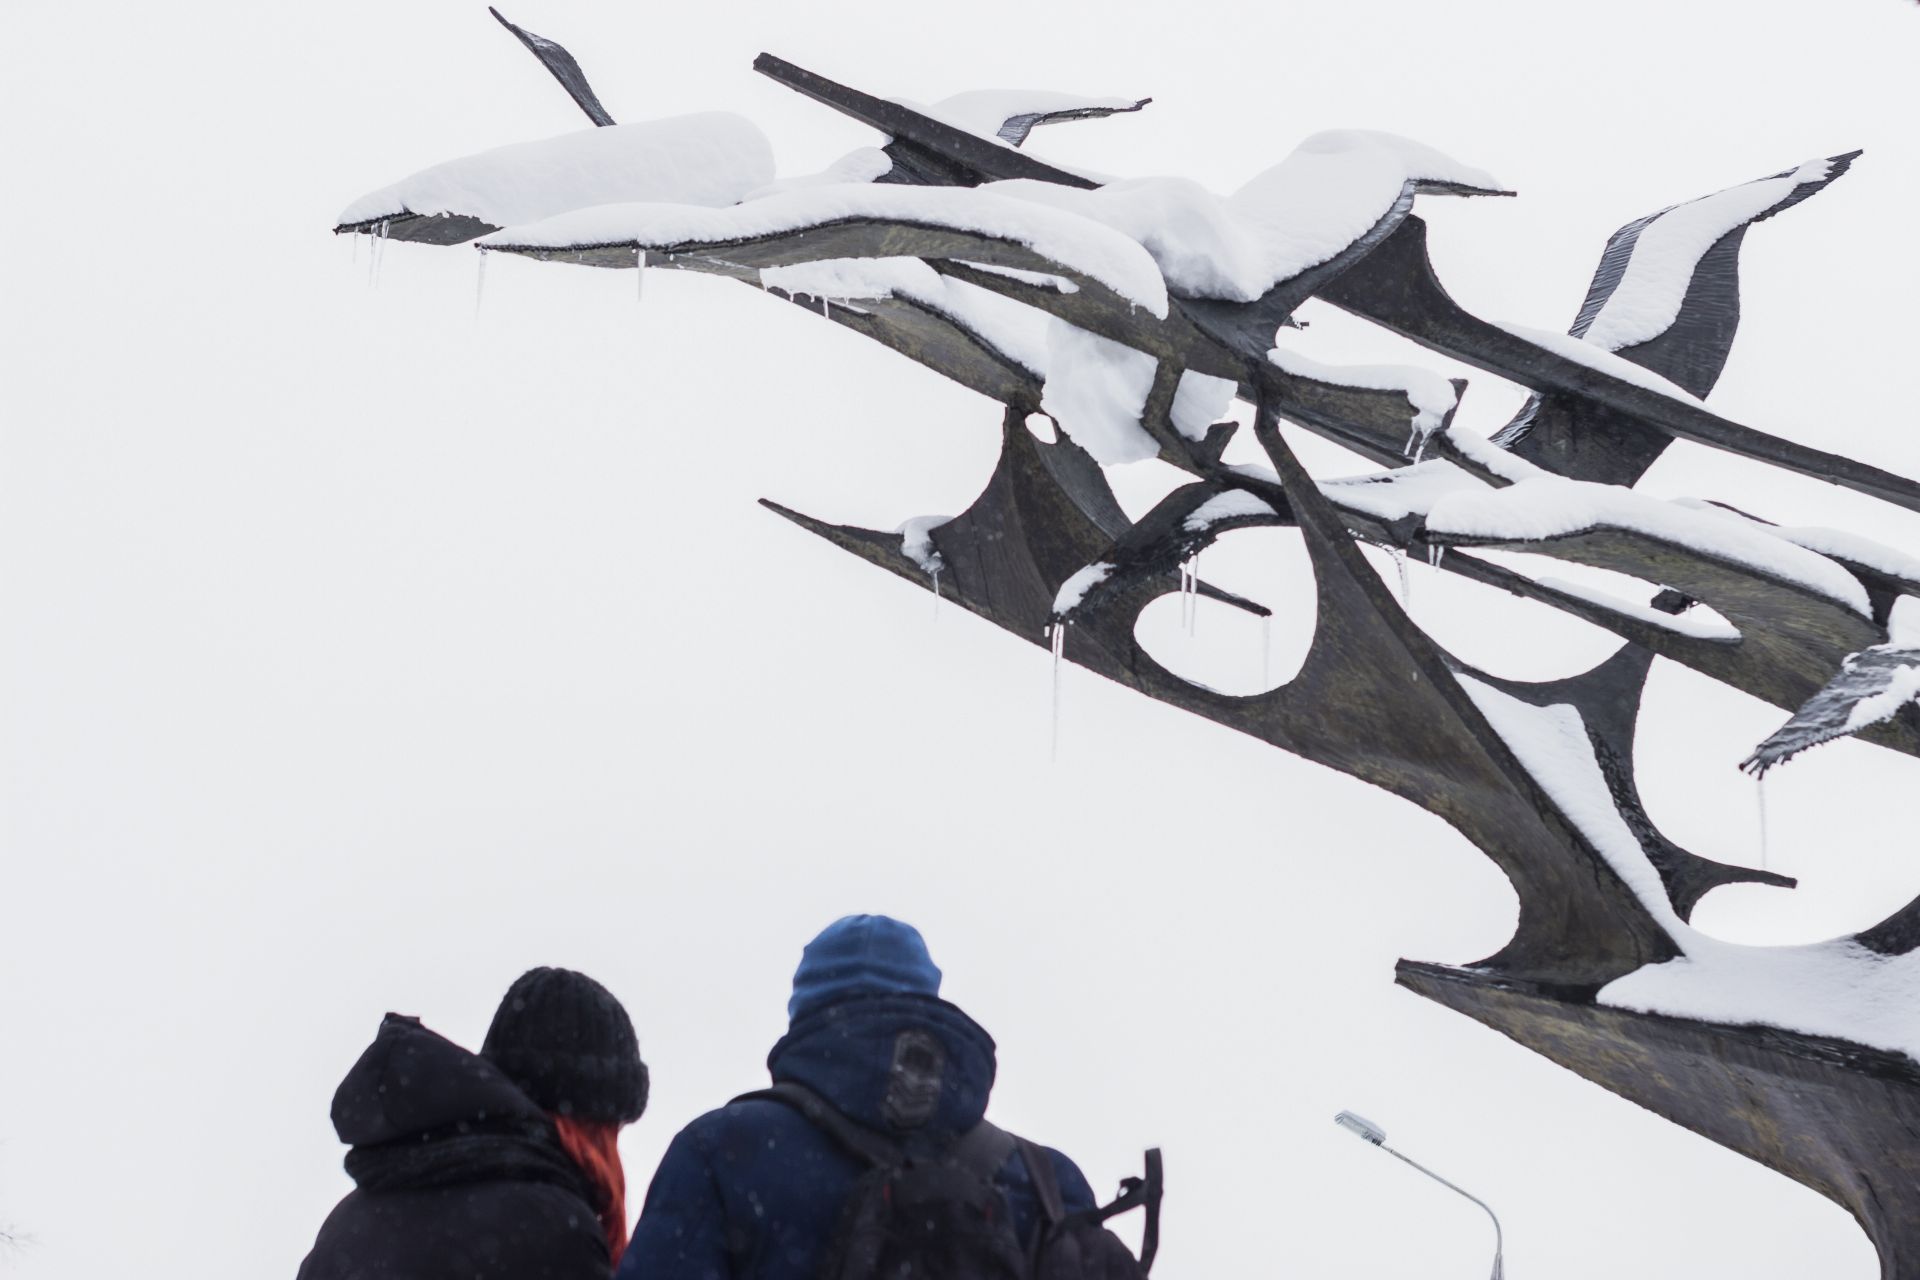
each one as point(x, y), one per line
point(1363, 1128)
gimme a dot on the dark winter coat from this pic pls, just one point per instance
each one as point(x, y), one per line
point(459, 1176)
point(753, 1191)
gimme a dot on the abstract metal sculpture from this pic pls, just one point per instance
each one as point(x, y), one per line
point(1131, 313)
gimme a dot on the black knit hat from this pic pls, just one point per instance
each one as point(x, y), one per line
point(569, 1045)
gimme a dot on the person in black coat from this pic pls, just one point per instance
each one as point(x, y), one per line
point(499, 1165)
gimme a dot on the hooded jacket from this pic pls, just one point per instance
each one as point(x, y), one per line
point(459, 1175)
point(754, 1190)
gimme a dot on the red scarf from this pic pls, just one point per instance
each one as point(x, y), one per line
point(595, 1148)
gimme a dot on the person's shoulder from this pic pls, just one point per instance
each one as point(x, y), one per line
point(745, 1118)
point(545, 1229)
point(1075, 1191)
point(1073, 1183)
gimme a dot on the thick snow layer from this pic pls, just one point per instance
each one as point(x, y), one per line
point(1203, 250)
point(862, 165)
point(710, 159)
point(1039, 279)
point(1902, 687)
point(1431, 395)
point(844, 279)
point(1903, 623)
point(1016, 330)
point(1075, 589)
point(1842, 545)
point(1075, 243)
point(1581, 351)
point(1490, 457)
point(1096, 389)
point(1296, 215)
point(1837, 544)
point(1701, 626)
point(1199, 401)
point(1537, 504)
point(1647, 300)
point(1833, 988)
point(1394, 495)
point(1232, 504)
point(1334, 188)
point(916, 542)
point(1836, 988)
point(1549, 507)
point(1405, 491)
point(1551, 744)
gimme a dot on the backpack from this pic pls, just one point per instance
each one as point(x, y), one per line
point(941, 1216)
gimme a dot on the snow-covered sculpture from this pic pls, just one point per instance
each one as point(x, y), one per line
point(1132, 312)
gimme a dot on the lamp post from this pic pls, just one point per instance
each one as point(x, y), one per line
point(1365, 1129)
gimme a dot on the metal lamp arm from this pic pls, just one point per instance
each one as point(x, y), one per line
point(1499, 1238)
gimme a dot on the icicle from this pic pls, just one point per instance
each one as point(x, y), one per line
point(826, 309)
point(936, 593)
point(1434, 552)
point(354, 240)
point(375, 253)
point(639, 273)
point(480, 284)
point(1421, 452)
point(1760, 805)
point(1058, 634)
point(1193, 592)
point(1413, 438)
point(1190, 592)
point(1406, 584)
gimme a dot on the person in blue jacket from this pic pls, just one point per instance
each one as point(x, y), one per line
point(754, 1190)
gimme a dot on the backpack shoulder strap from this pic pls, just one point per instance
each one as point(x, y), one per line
point(854, 1138)
point(1135, 1193)
point(984, 1148)
point(1046, 1184)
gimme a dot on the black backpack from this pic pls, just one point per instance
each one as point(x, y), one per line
point(941, 1216)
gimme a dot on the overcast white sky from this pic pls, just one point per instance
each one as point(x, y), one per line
point(357, 655)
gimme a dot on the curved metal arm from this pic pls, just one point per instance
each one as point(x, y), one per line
point(1499, 1239)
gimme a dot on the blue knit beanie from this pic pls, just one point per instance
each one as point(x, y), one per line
point(862, 956)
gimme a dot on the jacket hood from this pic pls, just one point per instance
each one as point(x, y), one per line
point(412, 1082)
point(903, 1064)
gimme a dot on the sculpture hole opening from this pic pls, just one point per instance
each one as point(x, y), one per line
point(1688, 719)
point(1222, 646)
point(1042, 428)
point(1139, 486)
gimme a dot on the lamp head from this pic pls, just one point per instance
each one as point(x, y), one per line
point(1361, 1127)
